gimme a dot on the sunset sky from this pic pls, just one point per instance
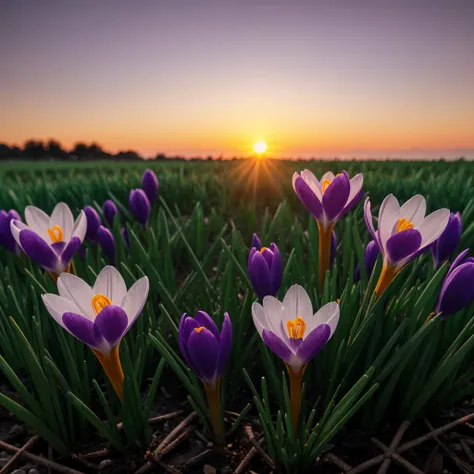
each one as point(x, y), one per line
point(310, 78)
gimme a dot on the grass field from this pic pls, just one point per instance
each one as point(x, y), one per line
point(387, 361)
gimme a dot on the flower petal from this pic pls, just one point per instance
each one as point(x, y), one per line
point(38, 221)
point(111, 284)
point(307, 197)
point(433, 226)
point(312, 344)
point(62, 216)
point(186, 325)
point(259, 317)
point(82, 329)
point(414, 210)
point(135, 300)
point(276, 269)
point(225, 344)
point(70, 250)
point(274, 313)
point(335, 196)
point(277, 346)
point(313, 183)
point(389, 214)
point(402, 245)
point(38, 250)
point(369, 221)
point(206, 321)
point(297, 304)
point(328, 314)
point(80, 226)
point(112, 323)
point(57, 306)
point(203, 350)
point(457, 291)
point(260, 277)
point(79, 292)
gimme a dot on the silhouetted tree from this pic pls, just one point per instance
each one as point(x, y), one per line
point(5, 152)
point(55, 151)
point(34, 149)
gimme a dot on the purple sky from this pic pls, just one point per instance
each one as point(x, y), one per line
point(320, 78)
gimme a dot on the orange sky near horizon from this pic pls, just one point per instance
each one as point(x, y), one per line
point(309, 79)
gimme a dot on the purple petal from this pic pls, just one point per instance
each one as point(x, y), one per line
point(203, 319)
point(107, 243)
point(6, 236)
point(336, 195)
point(82, 328)
point(203, 350)
point(447, 242)
point(371, 254)
point(38, 250)
point(276, 270)
point(457, 291)
point(313, 343)
point(93, 222)
point(253, 250)
point(112, 322)
point(458, 260)
point(402, 245)
point(110, 211)
point(308, 198)
point(140, 206)
point(256, 243)
point(276, 345)
point(353, 202)
point(225, 344)
point(183, 335)
point(260, 277)
point(150, 185)
point(71, 248)
point(267, 254)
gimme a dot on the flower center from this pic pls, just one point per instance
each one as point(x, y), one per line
point(263, 249)
point(56, 234)
point(199, 329)
point(404, 224)
point(296, 328)
point(99, 302)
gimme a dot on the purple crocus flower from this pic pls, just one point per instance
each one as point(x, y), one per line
point(150, 185)
point(107, 243)
point(371, 253)
point(256, 242)
point(458, 287)
point(6, 237)
point(93, 223)
point(204, 348)
point(446, 244)
point(110, 211)
point(99, 316)
point(51, 242)
point(140, 206)
point(265, 270)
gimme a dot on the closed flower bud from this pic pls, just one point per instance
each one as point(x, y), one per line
point(150, 185)
point(107, 243)
point(93, 222)
point(110, 211)
point(265, 270)
point(446, 244)
point(140, 206)
point(6, 237)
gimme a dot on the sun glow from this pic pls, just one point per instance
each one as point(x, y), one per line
point(260, 147)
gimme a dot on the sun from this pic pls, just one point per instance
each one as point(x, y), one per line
point(260, 147)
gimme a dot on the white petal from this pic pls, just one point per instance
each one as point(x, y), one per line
point(328, 314)
point(433, 226)
point(57, 306)
point(313, 183)
point(370, 222)
point(38, 221)
point(414, 210)
point(136, 299)
point(80, 226)
point(296, 303)
point(259, 318)
point(62, 216)
point(111, 284)
point(356, 185)
point(79, 292)
point(389, 214)
point(328, 175)
point(274, 312)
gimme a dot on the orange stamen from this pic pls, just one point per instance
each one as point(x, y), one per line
point(199, 329)
point(56, 234)
point(263, 249)
point(296, 328)
point(404, 224)
point(99, 302)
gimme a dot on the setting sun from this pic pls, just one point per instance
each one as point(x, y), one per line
point(260, 147)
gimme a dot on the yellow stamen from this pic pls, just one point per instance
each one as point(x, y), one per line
point(99, 302)
point(56, 234)
point(263, 249)
point(404, 224)
point(296, 328)
point(325, 185)
point(113, 369)
point(199, 329)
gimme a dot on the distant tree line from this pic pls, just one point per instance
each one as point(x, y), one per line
point(52, 150)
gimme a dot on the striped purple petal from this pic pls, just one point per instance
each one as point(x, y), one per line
point(112, 322)
point(336, 195)
point(38, 250)
point(403, 245)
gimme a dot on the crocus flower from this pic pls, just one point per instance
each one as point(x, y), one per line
point(140, 206)
point(265, 270)
point(150, 185)
point(110, 211)
point(93, 223)
point(107, 243)
point(50, 241)
point(446, 243)
point(6, 237)
point(327, 200)
point(292, 332)
point(256, 242)
point(206, 351)
point(99, 316)
point(370, 257)
point(458, 287)
point(403, 233)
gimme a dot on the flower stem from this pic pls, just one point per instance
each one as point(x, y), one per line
point(325, 235)
point(386, 277)
point(296, 386)
point(213, 393)
point(112, 368)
